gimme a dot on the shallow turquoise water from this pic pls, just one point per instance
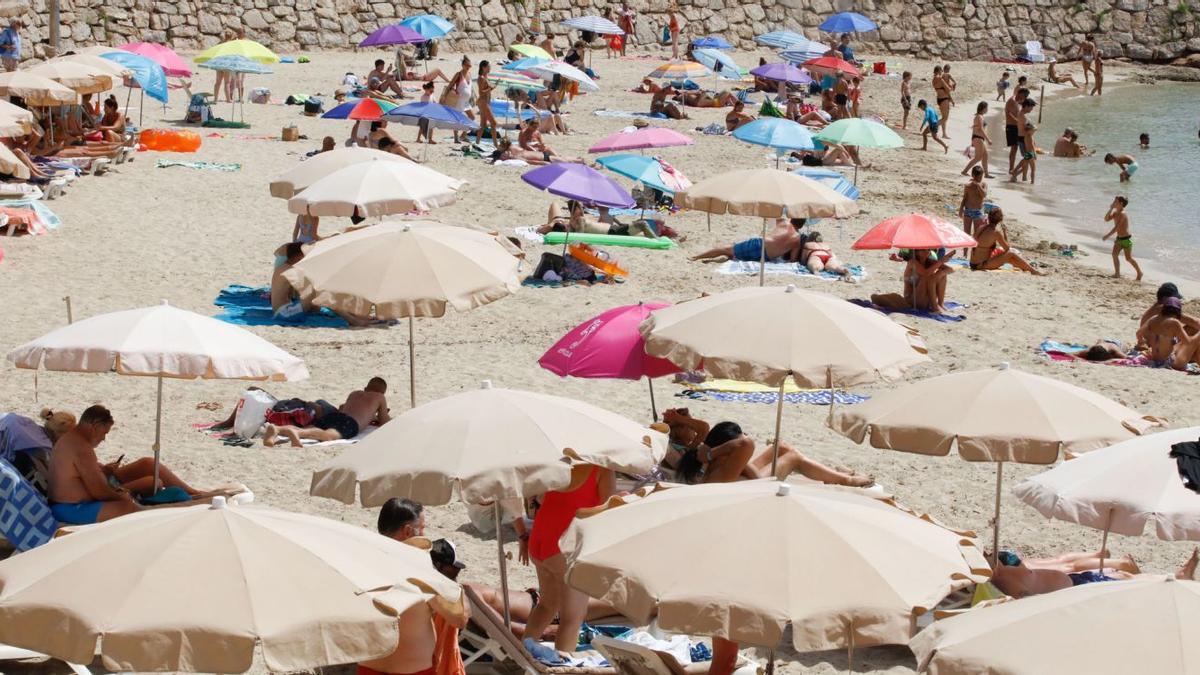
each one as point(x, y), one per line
point(1164, 195)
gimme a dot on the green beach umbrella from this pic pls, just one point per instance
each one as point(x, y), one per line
point(860, 133)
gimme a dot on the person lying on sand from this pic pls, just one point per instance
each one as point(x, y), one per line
point(723, 454)
point(1059, 78)
point(705, 99)
point(362, 408)
point(992, 250)
point(781, 240)
point(82, 491)
point(661, 106)
point(381, 140)
point(530, 137)
point(506, 151)
point(925, 278)
point(818, 257)
point(1022, 578)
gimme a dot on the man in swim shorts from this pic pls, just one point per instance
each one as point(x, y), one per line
point(781, 241)
point(1012, 129)
point(1022, 578)
point(361, 409)
point(970, 208)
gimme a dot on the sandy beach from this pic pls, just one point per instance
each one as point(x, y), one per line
point(144, 234)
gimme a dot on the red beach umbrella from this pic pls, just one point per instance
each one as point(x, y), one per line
point(914, 231)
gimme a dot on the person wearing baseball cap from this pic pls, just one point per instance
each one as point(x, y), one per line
point(445, 558)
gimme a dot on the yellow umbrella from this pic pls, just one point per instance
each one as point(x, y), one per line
point(247, 48)
point(843, 568)
point(77, 77)
point(201, 589)
point(35, 89)
point(679, 70)
point(532, 50)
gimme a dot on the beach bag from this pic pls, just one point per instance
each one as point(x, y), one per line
point(550, 262)
point(251, 412)
point(666, 35)
point(260, 95)
point(313, 106)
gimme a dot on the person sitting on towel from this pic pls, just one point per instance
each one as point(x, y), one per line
point(83, 491)
point(1022, 578)
point(723, 454)
point(362, 408)
point(780, 242)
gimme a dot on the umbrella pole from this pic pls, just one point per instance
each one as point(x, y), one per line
point(653, 408)
point(770, 670)
point(157, 433)
point(141, 107)
point(829, 386)
point(1104, 541)
point(67, 299)
point(778, 423)
point(850, 647)
point(498, 511)
point(412, 370)
point(708, 216)
point(128, 97)
point(996, 517)
point(762, 256)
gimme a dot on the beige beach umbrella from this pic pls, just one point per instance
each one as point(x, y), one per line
point(843, 568)
point(287, 184)
point(1143, 625)
point(201, 588)
point(405, 270)
point(95, 64)
point(14, 120)
point(80, 78)
point(1121, 488)
point(511, 444)
point(9, 162)
point(159, 341)
point(772, 334)
point(996, 415)
point(376, 189)
point(765, 193)
point(35, 89)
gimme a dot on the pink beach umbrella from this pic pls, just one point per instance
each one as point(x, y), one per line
point(609, 346)
point(172, 64)
point(649, 137)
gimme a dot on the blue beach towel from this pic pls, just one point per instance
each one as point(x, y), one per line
point(25, 518)
point(629, 114)
point(750, 267)
point(251, 306)
point(815, 397)
point(919, 313)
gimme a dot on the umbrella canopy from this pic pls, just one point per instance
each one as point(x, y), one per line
point(1121, 489)
point(514, 444)
point(711, 42)
point(977, 410)
point(159, 341)
point(776, 132)
point(236, 63)
point(847, 22)
point(149, 75)
point(846, 570)
point(238, 579)
point(770, 334)
point(648, 171)
point(76, 77)
point(245, 48)
point(435, 115)
point(9, 162)
point(172, 64)
point(14, 121)
point(405, 269)
point(376, 189)
point(595, 24)
point(430, 26)
point(765, 193)
point(1143, 625)
point(551, 68)
point(830, 65)
point(718, 62)
point(801, 54)
point(647, 137)
point(608, 346)
point(94, 65)
point(532, 50)
point(914, 231)
point(394, 34)
point(371, 109)
point(522, 64)
point(830, 179)
point(861, 133)
point(782, 72)
point(579, 182)
point(678, 70)
point(506, 79)
point(785, 39)
point(321, 165)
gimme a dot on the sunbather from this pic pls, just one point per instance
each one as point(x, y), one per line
point(362, 408)
point(737, 117)
point(706, 99)
point(992, 250)
point(1022, 578)
point(1169, 290)
point(723, 454)
point(1163, 338)
point(389, 144)
point(818, 257)
point(521, 604)
point(506, 150)
point(924, 284)
point(780, 241)
point(282, 291)
point(661, 106)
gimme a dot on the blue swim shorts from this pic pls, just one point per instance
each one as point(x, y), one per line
point(82, 513)
point(751, 249)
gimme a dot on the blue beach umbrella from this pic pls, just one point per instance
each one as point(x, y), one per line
point(430, 26)
point(778, 133)
point(645, 170)
point(525, 63)
point(711, 42)
point(848, 22)
point(430, 115)
point(719, 62)
point(780, 39)
point(148, 74)
point(830, 179)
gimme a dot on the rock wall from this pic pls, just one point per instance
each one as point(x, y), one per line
point(951, 29)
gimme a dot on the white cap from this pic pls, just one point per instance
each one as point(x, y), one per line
point(218, 502)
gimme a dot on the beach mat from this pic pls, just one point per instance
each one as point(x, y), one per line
point(749, 267)
point(1069, 351)
point(629, 114)
point(560, 238)
point(919, 313)
point(251, 306)
point(753, 392)
point(206, 166)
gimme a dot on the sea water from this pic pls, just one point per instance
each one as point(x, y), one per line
point(1164, 194)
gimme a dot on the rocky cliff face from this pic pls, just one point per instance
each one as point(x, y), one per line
point(950, 29)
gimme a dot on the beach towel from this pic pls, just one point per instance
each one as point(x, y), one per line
point(206, 166)
point(919, 313)
point(529, 233)
point(753, 392)
point(251, 306)
point(749, 267)
point(1069, 351)
point(22, 219)
point(629, 114)
point(25, 518)
point(47, 217)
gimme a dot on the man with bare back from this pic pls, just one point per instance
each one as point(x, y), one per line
point(361, 409)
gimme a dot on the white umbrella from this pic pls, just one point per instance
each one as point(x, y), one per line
point(313, 169)
point(552, 68)
point(376, 189)
point(159, 341)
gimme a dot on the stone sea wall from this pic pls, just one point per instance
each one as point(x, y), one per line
point(1158, 30)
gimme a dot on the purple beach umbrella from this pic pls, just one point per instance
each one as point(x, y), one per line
point(579, 182)
point(395, 34)
point(782, 72)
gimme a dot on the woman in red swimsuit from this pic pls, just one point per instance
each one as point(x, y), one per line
point(590, 486)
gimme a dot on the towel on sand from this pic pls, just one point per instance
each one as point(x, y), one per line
point(207, 166)
point(1069, 351)
point(629, 114)
point(749, 267)
point(919, 313)
point(753, 392)
point(251, 306)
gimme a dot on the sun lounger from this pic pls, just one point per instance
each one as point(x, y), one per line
point(8, 653)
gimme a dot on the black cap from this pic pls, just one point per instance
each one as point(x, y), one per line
point(442, 553)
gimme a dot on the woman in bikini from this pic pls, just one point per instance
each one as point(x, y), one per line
point(457, 94)
point(818, 257)
point(925, 278)
point(486, 119)
point(979, 140)
point(941, 88)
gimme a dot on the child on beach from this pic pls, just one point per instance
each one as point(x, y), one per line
point(1002, 86)
point(905, 97)
point(1127, 163)
point(1124, 241)
point(1027, 167)
point(929, 125)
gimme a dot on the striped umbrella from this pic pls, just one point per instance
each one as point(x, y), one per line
point(678, 70)
point(595, 24)
point(719, 62)
point(648, 171)
point(780, 39)
point(369, 109)
point(711, 42)
point(513, 80)
point(830, 179)
point(525, 63)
